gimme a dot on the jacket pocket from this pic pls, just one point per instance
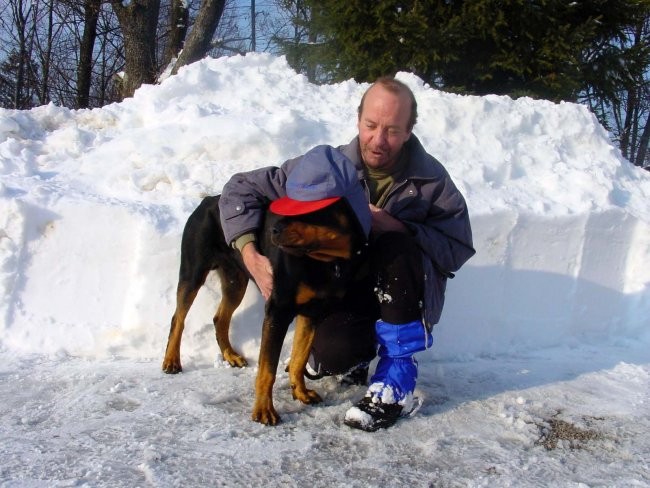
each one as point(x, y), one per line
point(230, 209)
point(435, 285)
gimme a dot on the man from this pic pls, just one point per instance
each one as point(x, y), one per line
point(420, 235)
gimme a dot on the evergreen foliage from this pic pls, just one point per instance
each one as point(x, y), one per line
point(542, 48)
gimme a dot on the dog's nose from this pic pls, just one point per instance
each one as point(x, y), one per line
point(277, 228)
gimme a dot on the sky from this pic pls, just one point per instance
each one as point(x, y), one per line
point(540, 371)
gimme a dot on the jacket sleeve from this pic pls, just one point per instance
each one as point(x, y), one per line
point(445, 235)
point(246, 196)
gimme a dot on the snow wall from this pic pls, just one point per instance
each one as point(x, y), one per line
point(93, 202)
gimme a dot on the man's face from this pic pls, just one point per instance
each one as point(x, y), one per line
point(383, 127)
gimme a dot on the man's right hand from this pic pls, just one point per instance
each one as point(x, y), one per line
point(259, 267)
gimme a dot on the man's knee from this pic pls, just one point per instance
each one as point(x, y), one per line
point(397, 265)
point(396, 246)
point(342, 341)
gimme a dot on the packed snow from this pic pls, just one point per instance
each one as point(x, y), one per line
point(540, 371)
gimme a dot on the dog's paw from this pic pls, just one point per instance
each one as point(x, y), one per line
point(306, 396)
point(235, 360)
point(171, 367)
point(266, 416)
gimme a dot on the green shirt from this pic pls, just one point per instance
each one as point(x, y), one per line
point(380, 181)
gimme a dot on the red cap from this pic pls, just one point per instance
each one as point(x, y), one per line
point(289, 206)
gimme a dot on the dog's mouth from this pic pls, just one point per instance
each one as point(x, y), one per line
point(315, 251)
point(316, 242)
point(296, 249)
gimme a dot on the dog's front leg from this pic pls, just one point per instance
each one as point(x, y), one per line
point(302, 341)
point(273, 333)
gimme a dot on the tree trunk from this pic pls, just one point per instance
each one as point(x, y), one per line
point(138, 21)
point(84, 70)
point(253, 33)
point(200, 38)
point(178, 19)
point(626, 129)
point(20, 19)
point(44, 91)
point(643, 145)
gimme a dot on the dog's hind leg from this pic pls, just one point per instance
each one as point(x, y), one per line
point(233, 287)
point(302, 341)
point(185, 295)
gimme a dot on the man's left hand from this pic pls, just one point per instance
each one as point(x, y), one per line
point(382, 221)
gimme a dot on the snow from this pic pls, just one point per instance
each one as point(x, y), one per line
point(546, 327)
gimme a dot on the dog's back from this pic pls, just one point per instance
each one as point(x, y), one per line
point(203, 246)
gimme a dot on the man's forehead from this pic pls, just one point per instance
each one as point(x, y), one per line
point(375, 107)
point(380, 95)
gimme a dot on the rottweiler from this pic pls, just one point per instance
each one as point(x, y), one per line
point(316, 258)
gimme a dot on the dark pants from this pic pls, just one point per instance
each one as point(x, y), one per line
point(393, 292)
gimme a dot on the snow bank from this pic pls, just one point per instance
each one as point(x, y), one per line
point(93, 202)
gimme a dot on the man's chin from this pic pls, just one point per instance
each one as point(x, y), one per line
point(376, 161)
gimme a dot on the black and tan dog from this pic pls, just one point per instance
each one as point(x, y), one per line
point(316, 259)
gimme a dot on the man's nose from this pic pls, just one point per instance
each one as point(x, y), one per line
point(382, 137)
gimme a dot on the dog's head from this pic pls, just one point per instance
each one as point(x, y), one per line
point(325, 235)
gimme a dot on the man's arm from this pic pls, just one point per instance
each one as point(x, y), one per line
point(446, 234)
point(244, 199)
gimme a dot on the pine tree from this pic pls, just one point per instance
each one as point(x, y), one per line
point(542, 48)
point(364, 40)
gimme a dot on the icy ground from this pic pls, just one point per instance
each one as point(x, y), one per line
point(488, 421)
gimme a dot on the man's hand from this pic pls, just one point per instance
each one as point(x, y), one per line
point(382, 221)
point(259, 267)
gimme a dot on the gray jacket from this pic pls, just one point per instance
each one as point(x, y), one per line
point(425, 199)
